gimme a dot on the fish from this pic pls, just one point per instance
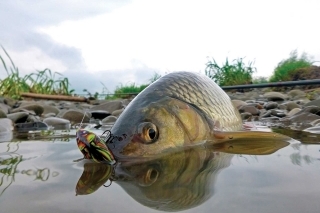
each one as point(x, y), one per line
point(178, 110)
point(93, 147)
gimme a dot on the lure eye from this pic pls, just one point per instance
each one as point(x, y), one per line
point(148, 132)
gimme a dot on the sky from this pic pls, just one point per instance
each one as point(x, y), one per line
point(102, 44)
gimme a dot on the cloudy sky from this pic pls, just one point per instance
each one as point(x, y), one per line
point(119, 42)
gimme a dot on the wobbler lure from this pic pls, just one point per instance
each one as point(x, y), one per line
point(93, 147)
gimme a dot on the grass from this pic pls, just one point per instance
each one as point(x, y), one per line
point(285, 68)
point(127, 91)
point(235, 72)
point(43, 82)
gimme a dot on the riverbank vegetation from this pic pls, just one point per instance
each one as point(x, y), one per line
point(42, 82)
point(287, 67)
point(230, 72)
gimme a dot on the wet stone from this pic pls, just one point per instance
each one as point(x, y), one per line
point(109, 106)
point(274, 96)
point(250, 109)
point(315, 122)
point(109, 119)
point(32, 126)
point(5, 108)
point(50, 109)
point(271, 105)
point(313, 103)
point(57, 123)
point(6, 125)
point(303, 101)
point(295, 94)
point(2, 114)
point(293, 111)
point(291, 105)
point(48, 115)
point(36, 108)
point(117, 112)
point(266, 114)
point(278, 113)
point(18, 117)
point(75, 116)
point(256, 105)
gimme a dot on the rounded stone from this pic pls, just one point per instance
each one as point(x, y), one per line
point(5, 108)
point(48, 115)
point(2, 114)
point(293, 111)
point(18, 117)
point(274, 96)
point(109, 106)
point(109, 119)
point(6, 124)
point(75, 116)
point(295, 94)
point(315, 122)
point(291, 105)
point(50, 109)
point(266, 114)
point(36, 108)
point(117, 112)
point(313, 103)
point(278, 113)
point(238, 103)
point(250, 109)
point(271, 105)
point(57, 123)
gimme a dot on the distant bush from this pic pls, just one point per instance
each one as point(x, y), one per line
point(127, 91)
point(234, 73)
point(260, 80)
point(285, 67)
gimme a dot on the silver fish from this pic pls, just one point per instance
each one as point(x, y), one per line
point(180, 109)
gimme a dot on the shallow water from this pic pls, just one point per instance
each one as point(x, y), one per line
point(41, 176)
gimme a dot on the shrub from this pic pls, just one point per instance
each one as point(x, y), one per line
point(285, 67)
point(234, 73)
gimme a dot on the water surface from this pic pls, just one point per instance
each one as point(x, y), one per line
point(41, 176)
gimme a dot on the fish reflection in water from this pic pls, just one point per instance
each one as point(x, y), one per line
point(175, 181)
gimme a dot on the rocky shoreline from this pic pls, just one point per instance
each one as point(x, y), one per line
point(295, 109)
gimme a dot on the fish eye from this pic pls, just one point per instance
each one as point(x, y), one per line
point(148, 132)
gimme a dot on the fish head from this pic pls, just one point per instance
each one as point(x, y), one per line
point(157, 127)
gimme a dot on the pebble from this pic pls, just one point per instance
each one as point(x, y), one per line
point(117, 112)
point(109, 119)
point(109, 106)
point(275, 96)
point(75, 116)
point(57, 123)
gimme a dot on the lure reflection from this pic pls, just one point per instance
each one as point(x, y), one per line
point(175, 181)
point(93, 147)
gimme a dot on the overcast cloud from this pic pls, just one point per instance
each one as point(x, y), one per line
point(117, 42)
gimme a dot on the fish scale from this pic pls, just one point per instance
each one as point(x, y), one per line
point(203, 93)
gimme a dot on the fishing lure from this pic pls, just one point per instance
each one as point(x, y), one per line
point(93, 147)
